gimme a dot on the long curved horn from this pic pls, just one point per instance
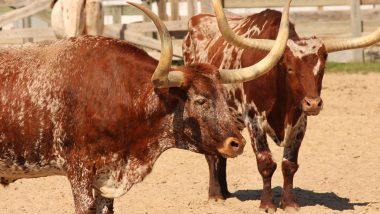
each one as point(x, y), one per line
point(237, 40)
point(333, 45)
point(263, 66)
point(161, 77)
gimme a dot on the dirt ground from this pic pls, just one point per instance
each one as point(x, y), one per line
point(339, 167)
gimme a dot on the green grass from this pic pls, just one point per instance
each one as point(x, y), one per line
point(333, 67)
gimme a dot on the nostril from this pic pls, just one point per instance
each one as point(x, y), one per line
point(307, 103)
point(234, 144)
point(232, 147)
point(320, 103)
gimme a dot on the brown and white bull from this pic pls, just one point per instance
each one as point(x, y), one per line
point(277, 103)
point(70, 18)
point(85, 108)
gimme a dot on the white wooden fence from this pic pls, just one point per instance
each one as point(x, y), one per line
point(322, 23)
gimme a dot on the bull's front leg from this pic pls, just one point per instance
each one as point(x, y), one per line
point(289, 168)
point(265, 165)
point(103, 205)
point(218, 189)
point(80, 179)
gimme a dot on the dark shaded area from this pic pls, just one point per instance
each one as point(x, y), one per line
point(305, 198)
point(121, 34)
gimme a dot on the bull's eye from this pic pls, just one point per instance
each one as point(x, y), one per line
point(202, 101)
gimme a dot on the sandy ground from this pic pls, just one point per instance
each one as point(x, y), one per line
point(339, 168)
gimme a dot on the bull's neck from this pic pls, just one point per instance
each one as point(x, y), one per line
point(173, 131)
point(167, 122)
point(154, 133)
point(154, 120)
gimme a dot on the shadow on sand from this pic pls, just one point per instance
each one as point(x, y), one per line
point(304, 198)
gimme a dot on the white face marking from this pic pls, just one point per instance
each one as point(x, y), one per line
point(304, 47)
point(317, 67)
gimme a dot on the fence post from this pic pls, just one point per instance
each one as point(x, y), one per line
point(27, 23)
point(161, 4)
point(206, 7)
point(356, 29)
point(174, 8)
point(116, 14)
point(146, 18)
point(191, 7)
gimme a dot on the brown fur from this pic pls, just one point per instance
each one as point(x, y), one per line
point(85, 108)
point(279, 95)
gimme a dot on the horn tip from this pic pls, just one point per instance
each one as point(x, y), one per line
point(132, 3)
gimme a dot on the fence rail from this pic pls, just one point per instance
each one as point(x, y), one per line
point(295, 3)
point(320, 23)
point(14, 3)
point(23, 12)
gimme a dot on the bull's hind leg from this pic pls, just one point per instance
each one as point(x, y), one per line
point(218, 189)
point(103, 205)
point(290, 167)
point(265, 165)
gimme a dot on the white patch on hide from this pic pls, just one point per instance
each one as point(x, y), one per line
point(304, 47)
point(207, 29)
point(317, 67)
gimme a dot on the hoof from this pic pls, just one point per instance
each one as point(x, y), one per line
point(269, 208)
point(291, 209)
point(216, 198)
point(227, 195)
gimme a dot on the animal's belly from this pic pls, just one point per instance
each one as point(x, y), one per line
point(11, 171)
point(115, 181)
point(111, 184)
